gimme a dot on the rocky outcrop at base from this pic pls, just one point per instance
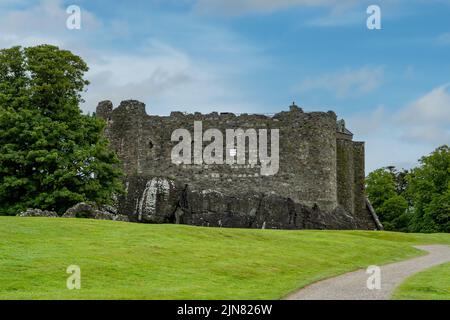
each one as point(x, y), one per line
point(80, 210)
point(38, 213)
point(162, 200)
point(89, 211)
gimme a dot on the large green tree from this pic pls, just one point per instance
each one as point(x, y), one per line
point(414, 201)
point(380, 186)
point(384, 188)
point(429, 190)
point(51, 155)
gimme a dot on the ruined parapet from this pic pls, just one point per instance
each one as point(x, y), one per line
point(104, 109)
point(132, 110)
point(125, 131)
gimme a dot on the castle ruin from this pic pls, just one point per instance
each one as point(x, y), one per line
point(319, 183)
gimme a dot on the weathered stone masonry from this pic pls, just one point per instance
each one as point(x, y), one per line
point(320, 182)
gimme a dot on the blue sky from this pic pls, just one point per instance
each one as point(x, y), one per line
point(392, 85)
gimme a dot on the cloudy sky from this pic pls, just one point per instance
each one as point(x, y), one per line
point(392, 85)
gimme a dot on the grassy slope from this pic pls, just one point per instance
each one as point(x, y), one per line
point(136, 261)
point(431, 284)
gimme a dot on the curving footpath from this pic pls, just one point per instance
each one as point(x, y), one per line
point(352, 286)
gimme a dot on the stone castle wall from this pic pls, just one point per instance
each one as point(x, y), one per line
point(320, 182)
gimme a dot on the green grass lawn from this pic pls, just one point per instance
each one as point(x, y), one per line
point(136, 261)
point(431, 284)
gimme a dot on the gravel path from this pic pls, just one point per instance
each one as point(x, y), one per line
point(352, 286)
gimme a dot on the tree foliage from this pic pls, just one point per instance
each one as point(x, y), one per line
point(415, 201)
point(51, 155)
point(429, 190)
point(384, 192)
point(380, 186)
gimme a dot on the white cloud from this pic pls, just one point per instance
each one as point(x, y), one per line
point(235, 7)
point(368, 122)
point(330, 13)
point(443, 39)
point(384, 149)
point(334, 13)
point(168, 78)
point(428, 118)
point(401, 138)
point(159, 74)
point(341, 13)
point(433, 108)
point(346, 82)
point(427, 133)
point(48, 17)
